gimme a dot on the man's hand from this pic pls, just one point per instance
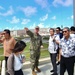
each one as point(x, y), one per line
point(1, 35)
point(54, 40)
point(41, 46)
point(23, 58)
point(26, 29)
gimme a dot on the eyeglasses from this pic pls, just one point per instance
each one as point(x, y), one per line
point(64, 31)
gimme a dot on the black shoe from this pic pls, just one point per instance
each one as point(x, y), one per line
point(54, 74)
point(52, 71)
point(58, 63)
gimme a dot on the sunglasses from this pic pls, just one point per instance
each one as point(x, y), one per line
point(64, 31)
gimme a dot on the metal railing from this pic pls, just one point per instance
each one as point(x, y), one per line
point(3, 62)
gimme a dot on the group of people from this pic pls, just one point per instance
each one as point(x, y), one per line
point(61, 46)
point(13, 51)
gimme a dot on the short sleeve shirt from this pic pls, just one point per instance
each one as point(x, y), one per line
point(72, 35)
point(52, 45)
point(67, 47)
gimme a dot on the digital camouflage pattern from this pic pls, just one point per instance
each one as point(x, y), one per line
point(35, 43)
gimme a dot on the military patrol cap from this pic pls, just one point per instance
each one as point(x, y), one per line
point(37, 27)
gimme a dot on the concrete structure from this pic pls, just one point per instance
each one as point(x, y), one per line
point(18, 33)
point(45, 66)
point(44, 31)
point(14, 33)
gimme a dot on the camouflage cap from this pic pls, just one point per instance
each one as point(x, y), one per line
point(37, 27)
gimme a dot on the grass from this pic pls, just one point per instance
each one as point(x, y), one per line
point(44, 53)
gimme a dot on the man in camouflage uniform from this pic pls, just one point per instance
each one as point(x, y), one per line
point(35, 44)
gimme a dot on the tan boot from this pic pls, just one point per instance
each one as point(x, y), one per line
point(38, 69)
point(34, 73)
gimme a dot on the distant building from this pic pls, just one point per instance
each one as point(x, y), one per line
point(44, 31)
point(18, 33)
point(14, 33)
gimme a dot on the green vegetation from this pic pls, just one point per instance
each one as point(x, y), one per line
point(44, 53)
point(19, 38)
point(46, 37)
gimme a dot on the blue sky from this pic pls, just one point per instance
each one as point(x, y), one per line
point(17, 14)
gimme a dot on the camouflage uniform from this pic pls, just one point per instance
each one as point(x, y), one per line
point(35, 43)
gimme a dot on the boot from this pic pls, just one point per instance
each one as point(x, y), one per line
point(34, 73)
point(38, 69)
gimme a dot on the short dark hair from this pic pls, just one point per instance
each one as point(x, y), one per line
point(72, 28)
point(7, 31)
point(52, 29)
point(19, 46)
point(58, 28)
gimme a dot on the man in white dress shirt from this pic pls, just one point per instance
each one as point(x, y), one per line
point(53, 46)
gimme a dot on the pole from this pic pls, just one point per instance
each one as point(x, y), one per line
point(74, 12)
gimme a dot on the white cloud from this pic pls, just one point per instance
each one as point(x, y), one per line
point(41, 25)
point(1, 8)
point(7, 28)
point(42, 3)
point(14, 20)
point(9, 12)
point(28, 11)
point(32, 26)
point(44, 17)
point(54, 18)
point(62, 2)
point(54, 26)
point(47, 26)
point(15, 28)
point(72, 17)
point(25, 21)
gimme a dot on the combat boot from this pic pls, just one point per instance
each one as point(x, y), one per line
point(38, 70)
point(34, 73)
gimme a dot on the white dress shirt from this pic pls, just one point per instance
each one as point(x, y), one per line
point(53, 46)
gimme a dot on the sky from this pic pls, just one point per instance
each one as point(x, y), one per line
point(18, 14)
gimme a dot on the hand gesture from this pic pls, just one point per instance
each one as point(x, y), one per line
point(41, 46)
point(23, 58)
point(26, 29)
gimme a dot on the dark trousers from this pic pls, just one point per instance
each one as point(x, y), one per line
point(19, 72)
point(53, 60)
point(6, 58)
point(67, 64)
